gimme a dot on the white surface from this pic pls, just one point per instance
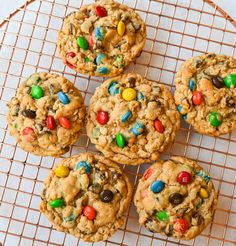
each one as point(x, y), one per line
point(20, 171)
point(7, 6)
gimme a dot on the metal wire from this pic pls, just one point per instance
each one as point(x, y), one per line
point(176, 30)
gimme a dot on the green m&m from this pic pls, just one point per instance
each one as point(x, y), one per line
point(120, 140)
point(36, 92)
point(230, 80)
point(82, 42)
point(57, 203)
point(215, 119)
point(162, 215)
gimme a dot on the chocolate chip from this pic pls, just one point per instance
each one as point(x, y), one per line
point(51, 89)
point(198, 63)
point(131, 81)
point(39, 127)
point(218, 82)
point(28, 113)
point(72, 29)
point(106, 196)
point(176, 198)
point(230, 102)
point(95, 188)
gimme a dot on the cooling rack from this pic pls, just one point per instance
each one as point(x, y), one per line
point(177, 30)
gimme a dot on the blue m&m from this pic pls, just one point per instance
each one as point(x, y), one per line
point(191, 84)
point(137, 128)
point(126, 116)
point(113, 88)
point(85, 165)
point(157, 186)
point(63, 97)
point(99, 58)
point(99, 33)
point(102, 70)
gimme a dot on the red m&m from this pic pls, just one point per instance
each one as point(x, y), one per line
point(184, 178)
point(197, 97)
point(64, 122)
point(70, 54)
point(181, 225)
point(89, 212)
point(51, 124)
point(102, 117)
point(147, 173)
point(158, 126)
point(101, 11)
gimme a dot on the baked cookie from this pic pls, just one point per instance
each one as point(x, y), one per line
point(101, 39)
point(46, 114)
point(180, 205)
point(86, 195)
point(131, 120)
point(206, 93)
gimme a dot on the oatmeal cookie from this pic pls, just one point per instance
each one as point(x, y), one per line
point(101, 39)
point(206, 93)
point(131, 120)
point(86, 195)
point(180, 205)
point(46, 114)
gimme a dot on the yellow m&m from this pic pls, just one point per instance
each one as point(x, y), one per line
point(62, 171)
point(121, 28)
point(203, 193)
point(129, 94)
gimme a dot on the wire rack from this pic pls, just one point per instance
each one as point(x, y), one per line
point(176, 30)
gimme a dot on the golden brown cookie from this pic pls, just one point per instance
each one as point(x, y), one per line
point(101, 39)
point(176, 198)
point(87, 196)
point(46, 114)
point(132, 120)
point(206, 93)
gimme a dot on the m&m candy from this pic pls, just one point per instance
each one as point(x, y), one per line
point(57, 203)
point(181, 225)
point(102, 117)
point(36, 92)
point(184, 178)
point(63, 97)
point(100, 11)
point(64, 122)
point(197, 97)
point(85, 165)
point(50, 121)
point(120, 140)
point(62, 171)
point(89, 212)
point(129, 94)
point(159, 126)
point(157, 186)
point(82, 43)
point(215, 119)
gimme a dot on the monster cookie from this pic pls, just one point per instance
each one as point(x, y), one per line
point(180, 205)
point(86, 195)
point(101, 39)
point(206, 93)
point(131, 120)
point(46, 114)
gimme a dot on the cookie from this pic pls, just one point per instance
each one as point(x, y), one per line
point(131, 120)
point(87, 196)
point(206, 93)
point(179, 205)
point(101, 39)
point(46, 114)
